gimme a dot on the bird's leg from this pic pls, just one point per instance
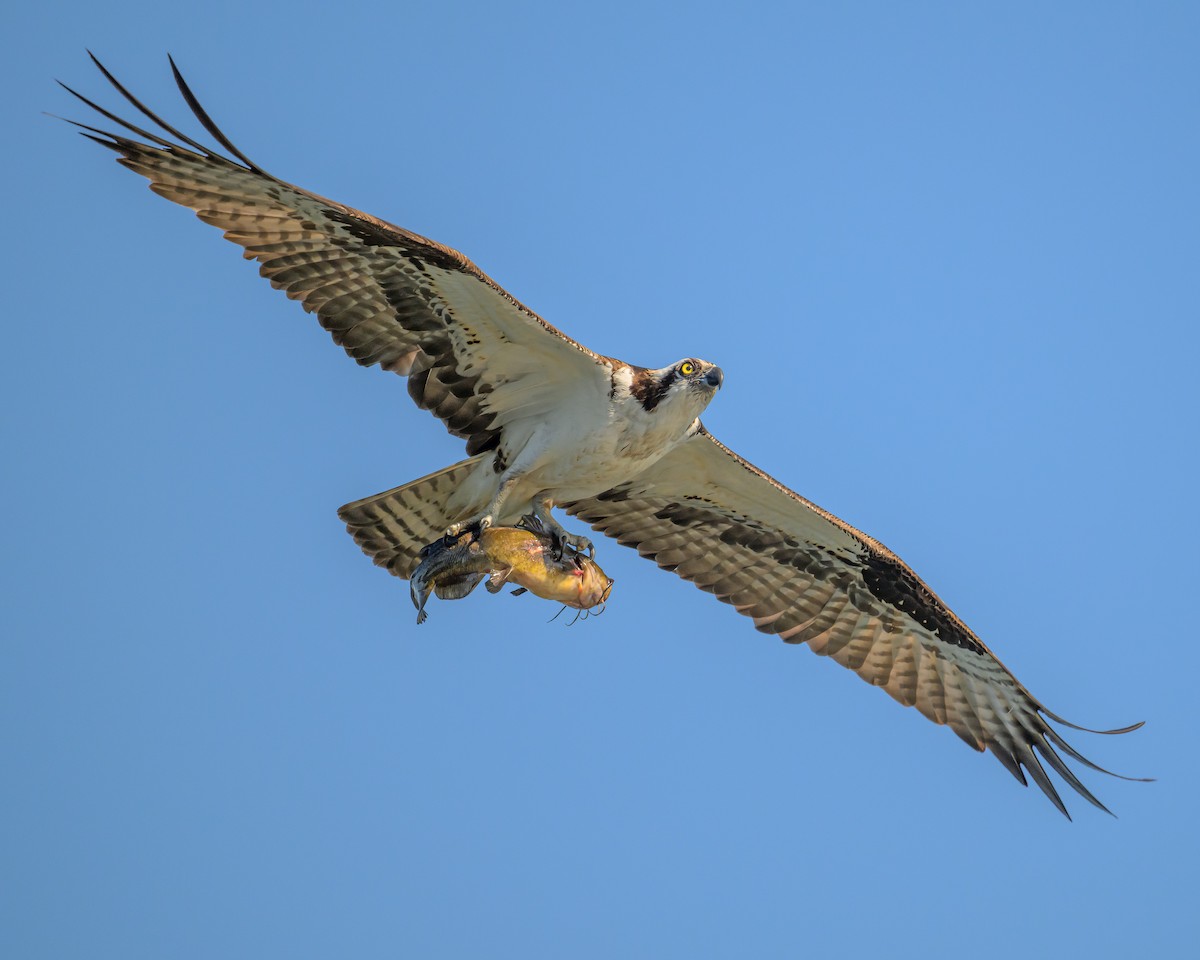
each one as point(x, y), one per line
point(560, 537)
point(480, 523)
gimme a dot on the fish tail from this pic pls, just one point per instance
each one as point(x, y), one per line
point(419, 590)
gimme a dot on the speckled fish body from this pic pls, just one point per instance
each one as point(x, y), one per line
point(506, 555)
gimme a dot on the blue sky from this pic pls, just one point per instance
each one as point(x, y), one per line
point(946, 256)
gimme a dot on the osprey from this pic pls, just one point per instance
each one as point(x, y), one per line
point(549, 423)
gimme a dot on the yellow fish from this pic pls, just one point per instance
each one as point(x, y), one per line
point(452, 567)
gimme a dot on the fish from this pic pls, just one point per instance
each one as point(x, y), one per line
point(525, 555)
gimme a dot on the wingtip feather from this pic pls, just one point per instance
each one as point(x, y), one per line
point(1117, 731)
point(209, 124)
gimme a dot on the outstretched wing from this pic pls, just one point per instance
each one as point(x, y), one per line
point(799, 572)
point(474, 355)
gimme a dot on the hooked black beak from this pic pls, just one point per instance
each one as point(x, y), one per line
point(714, 378)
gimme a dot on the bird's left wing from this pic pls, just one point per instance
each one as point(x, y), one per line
point(800, 572)
point(475, 356)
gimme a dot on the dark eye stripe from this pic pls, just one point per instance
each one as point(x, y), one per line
point(648, 389)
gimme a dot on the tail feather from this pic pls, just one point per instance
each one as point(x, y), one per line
point(392, 527)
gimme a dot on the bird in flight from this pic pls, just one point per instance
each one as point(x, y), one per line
point(549, 424)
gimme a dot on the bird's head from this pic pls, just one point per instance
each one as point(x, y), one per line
point(687, 385)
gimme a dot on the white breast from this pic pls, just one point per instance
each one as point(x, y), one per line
point(586, 447)
point(594, 439)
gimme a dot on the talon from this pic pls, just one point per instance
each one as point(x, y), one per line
point(557, 545)
point(541, 520)
point(474, 527)
point(580, 545)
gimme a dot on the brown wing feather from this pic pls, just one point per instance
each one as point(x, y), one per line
point(473, 353)
point(801, 573)
point(392, 527)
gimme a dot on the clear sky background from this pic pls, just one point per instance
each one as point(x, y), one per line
point(947, 256)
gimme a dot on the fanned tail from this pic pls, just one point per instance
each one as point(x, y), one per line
point(393, 526)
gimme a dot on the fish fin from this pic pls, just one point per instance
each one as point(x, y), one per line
point(531, 523)
point(519, 591)
point(497, 580)
point(457, 587)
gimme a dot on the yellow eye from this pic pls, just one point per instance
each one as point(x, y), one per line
point(687, 368)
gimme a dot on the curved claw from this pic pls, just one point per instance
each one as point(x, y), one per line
point(580, 545)
point(476, 526)
point(541, 521)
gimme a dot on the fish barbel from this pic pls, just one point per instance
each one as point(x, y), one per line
point(524, 555)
